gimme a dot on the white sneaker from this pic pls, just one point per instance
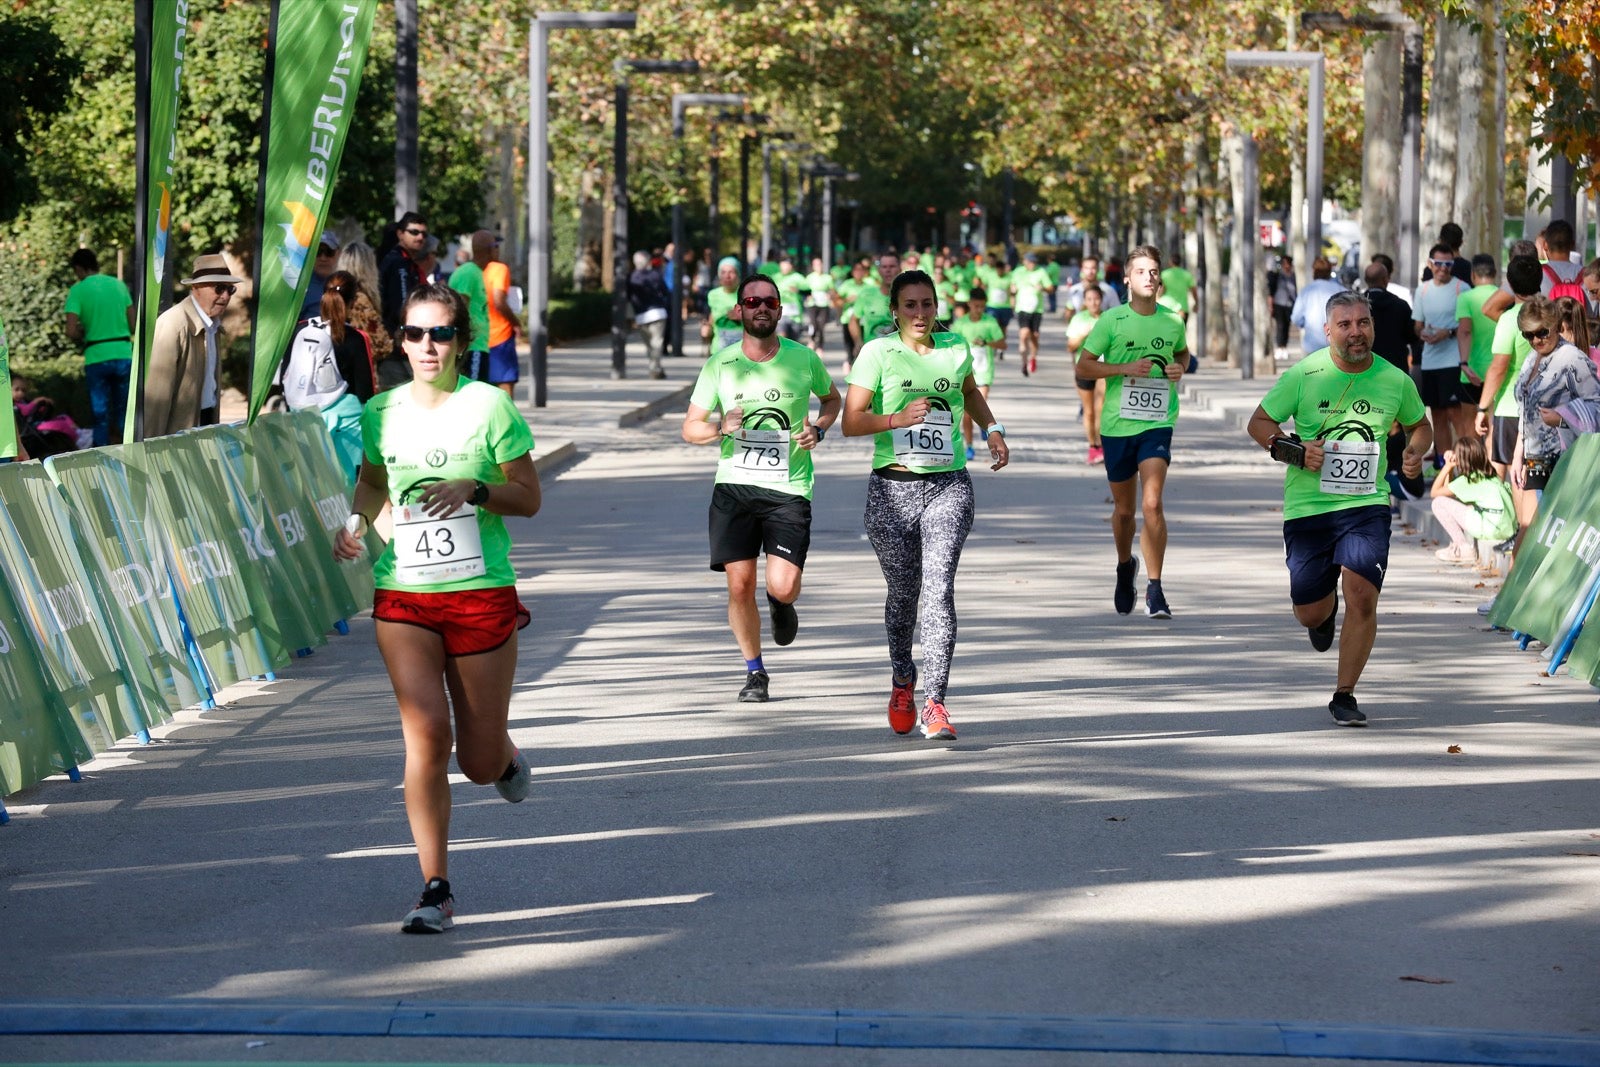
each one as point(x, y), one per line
point(515, 788)
point(434, 913)
point(1486, 607)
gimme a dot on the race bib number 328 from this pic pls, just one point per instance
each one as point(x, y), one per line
point(443, 549)
point(1349, 468)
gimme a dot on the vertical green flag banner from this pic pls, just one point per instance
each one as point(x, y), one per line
point(310, 99)
point(161, 30)
point(1560, 554)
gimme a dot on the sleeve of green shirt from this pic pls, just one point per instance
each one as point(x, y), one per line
point(821, 380)
point(705, 387)
point(1283, 398)
point(1100, 337)
point(867, 371)
point(1412, 410)
point(510, 437)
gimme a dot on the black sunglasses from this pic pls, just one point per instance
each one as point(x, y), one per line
point(1535, 335)
point(225, 290)
point(438, 333)
point(771, 303)
point(413, 231)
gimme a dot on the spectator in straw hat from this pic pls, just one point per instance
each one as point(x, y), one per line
point(182, 377)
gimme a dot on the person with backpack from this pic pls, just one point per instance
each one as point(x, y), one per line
point(329, 369)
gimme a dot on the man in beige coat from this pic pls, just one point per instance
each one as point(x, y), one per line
point(183, 379)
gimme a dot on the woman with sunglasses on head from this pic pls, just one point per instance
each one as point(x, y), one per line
point(910, 389)
point(451, 456)
point(329, 369)
point(1555, 374)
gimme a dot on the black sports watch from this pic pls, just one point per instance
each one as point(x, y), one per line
point(822, 431)
point(480, 495)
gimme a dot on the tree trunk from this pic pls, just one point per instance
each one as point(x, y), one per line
point(1497, 143)
point(1216, 339)
point(1479, 180)
point(1380, 157)
point(1295, 217)
point(1443, 130)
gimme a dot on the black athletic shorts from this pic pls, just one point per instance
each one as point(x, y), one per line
point(1503, 438)
point(1472, 394)
point(1029, 320)
point(1441, 388)
point(747, 520)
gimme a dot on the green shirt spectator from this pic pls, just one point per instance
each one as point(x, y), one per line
point(467, 280)
point(99, 313)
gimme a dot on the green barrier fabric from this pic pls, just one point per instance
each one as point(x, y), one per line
point(35, 738)
point(77, 650)
point(296, 444)
point(127, 561)
point(1560, 553)
point(182, 497)
point(1584, 660)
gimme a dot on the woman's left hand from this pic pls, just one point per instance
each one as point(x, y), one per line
point(998, 451)
point(1549, 417)
point(442, 498)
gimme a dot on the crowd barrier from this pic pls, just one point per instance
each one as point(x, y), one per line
point(136, 580)
point(1555, 580)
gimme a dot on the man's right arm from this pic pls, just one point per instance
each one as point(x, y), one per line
point(1499, 366)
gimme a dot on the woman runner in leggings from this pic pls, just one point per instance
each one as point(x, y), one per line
point(909, 389)
point(451, 456)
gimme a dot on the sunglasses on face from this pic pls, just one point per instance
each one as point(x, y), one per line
point(771, 303)
point(1442, 263)
point(413, 231)
point(225, 290)
point(1535, 335)
point(438, 333)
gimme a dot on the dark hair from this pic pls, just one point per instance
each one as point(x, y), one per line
point(85, 259)
point(335, 307)
point(1452, 235)
point(1524, 247)
point(1376, 275)
point(1559, 236)
point(1442, 247)
point(1484, 264)
point(1590, 269)
point(904, 280)
point(1472, 459)
point(959, 308)
point(446, 297)
point(1387, 261)
point(1575, 319)
point(1524, 275)
point(408, 218)
point(751, 279)
point(977, 292)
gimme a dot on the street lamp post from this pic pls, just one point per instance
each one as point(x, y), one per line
point(1313, 62)
point(619, 200)
point(781, 141)
point(539, 173)
point(681, 102)
point(828, 172)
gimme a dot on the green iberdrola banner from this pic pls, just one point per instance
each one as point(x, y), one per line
point(310, 99)
point(1560, 554)
point(161, 28)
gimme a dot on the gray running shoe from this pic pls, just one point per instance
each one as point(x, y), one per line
point(1345, 712)
point(515, 788)
point(434, 913)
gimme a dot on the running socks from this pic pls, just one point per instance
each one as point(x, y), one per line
point(754, 664)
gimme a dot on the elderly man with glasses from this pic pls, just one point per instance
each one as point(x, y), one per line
point(183, 376)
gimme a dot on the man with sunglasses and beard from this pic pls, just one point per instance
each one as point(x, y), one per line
point(762, 386)
point(1342, 402)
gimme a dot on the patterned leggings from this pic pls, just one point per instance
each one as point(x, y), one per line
point(917, 528)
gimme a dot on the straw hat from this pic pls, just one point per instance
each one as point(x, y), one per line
point(211, 270)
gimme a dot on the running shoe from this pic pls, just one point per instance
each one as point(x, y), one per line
point(1024, 368)
point(435, 911)
point(1456, 554)
point(1033, 364)
point(903, 705)
point(1322, 634)
point(515, 787)
point(1097, 455)
point(1124, 596)
point(1155, 601)
point(755, 688)
point(1487, 606)
point(785, 622)
point(936, 722)
point(1345, 712)
point(970, 453)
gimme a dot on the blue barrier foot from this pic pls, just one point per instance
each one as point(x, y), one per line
point(271, 676)
point(342, 628)
point(1524, 640)
point(302, 653)
point(208, 704)
point(5, 816)
point(74, 774)
point(143, 736)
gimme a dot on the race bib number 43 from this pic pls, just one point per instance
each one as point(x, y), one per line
point(1146, 399)
point(761, 455)
point(1349, 468)
point(928, 444)
point(443, 549)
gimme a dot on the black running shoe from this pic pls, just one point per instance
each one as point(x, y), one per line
point(435, 911)
point(1345, 712)
point(1155, 601)
point(785, 621)
point(755, 688)
point(1124, 596)
point(1322, 633)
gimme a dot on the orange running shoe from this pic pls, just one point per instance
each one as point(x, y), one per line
point(903, 706)
point(936, 722)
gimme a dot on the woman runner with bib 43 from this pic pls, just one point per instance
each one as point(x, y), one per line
point(451, 456)
point(909, 389)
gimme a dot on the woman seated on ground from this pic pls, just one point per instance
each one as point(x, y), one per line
point(1471, 502)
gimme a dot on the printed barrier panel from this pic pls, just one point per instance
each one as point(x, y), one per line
point(299, 446)
point(78, 653)
point(1560, 554)
point(37, 737)
point(126, 557)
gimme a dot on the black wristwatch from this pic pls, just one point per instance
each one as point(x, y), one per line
point(480, 495)
point(822, 431)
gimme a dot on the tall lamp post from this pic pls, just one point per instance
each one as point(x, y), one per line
point(1410, 121)
point(681, 102)
point(828, 172)
point(619, 200)
point(539, 173)
point(782, 141)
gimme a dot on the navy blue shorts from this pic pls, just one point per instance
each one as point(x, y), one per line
point(1124, 454)
point(1316, 546)
point(474, 364)
point(1002, 316)
point(503, 362)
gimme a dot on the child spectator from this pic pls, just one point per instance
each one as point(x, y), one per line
point(1470, 502)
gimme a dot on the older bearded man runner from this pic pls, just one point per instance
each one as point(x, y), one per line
point(1335, 502)
point(762, 500)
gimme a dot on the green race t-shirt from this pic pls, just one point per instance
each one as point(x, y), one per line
point(872, 308)
point(1469, 305)
point(1327, 404)
point(467, 279)
point(8, 423)
point(101, 303)
point(468, 436)
point(721, 303)
point(897, 374)
point(789, 287)
point(998, 285)
point(1029, 285)
point(774, 395)
point(1178, 282)
point(1508, 339)
point(1122, 335)
point(1493, 515)
point(982, 337)
point(1053, 269)
point(820, 284)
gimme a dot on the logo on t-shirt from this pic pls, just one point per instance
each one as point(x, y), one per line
point(906, 384)
point(942, 385)
point(1361, 407)
point(765, 419)
point(773, 394)
point(436, 457)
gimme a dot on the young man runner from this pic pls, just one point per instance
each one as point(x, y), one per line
point(819, 301)
point(762, 498)
point(1335, 502)
point(1029, 285)
point(1139, 349)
